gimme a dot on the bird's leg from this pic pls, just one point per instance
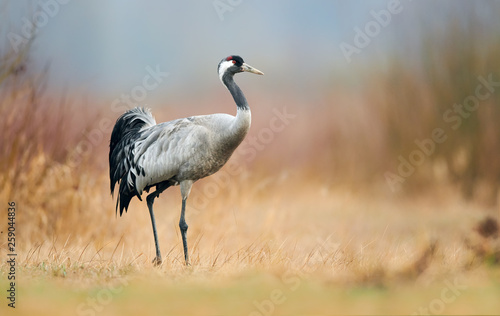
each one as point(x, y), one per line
point(185, 189)
point(150, 200)
point(184, 227)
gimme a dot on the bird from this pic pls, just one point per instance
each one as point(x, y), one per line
point(145, 155)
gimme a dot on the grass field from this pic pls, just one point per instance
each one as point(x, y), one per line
point(326, 251)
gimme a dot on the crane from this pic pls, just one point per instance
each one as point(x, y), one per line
point(144, 154)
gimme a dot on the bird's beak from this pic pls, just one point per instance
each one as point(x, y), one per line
point(249, 68)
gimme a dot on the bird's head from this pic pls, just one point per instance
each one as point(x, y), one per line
point(234, 64)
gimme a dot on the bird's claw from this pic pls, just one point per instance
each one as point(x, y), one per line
point(157, 261)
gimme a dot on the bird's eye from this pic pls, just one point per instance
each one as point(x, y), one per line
point(234, 61)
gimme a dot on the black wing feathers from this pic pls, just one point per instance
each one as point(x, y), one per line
point(126, 131)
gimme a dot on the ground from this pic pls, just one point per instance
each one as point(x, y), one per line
point(325, 251)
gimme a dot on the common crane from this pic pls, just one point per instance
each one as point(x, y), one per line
point(143, 154)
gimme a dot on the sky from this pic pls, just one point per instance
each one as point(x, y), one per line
point(102, 48)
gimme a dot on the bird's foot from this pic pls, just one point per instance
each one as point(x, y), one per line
point(157, 261)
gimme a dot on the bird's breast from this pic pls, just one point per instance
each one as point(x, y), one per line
point(204, 164)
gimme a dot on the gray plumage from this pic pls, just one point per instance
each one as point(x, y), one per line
point(144, 154)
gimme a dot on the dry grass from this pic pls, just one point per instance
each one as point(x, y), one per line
point(324, 246)
point(341, 248)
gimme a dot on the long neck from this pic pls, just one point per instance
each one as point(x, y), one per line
point(238, 96)
point(241, 124)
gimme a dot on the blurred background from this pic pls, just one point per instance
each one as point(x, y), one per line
point(399, 98)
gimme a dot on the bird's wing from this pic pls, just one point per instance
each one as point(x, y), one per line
point(164, 149)
point(127, 129)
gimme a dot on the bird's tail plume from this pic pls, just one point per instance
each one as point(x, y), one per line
point(127, 129)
